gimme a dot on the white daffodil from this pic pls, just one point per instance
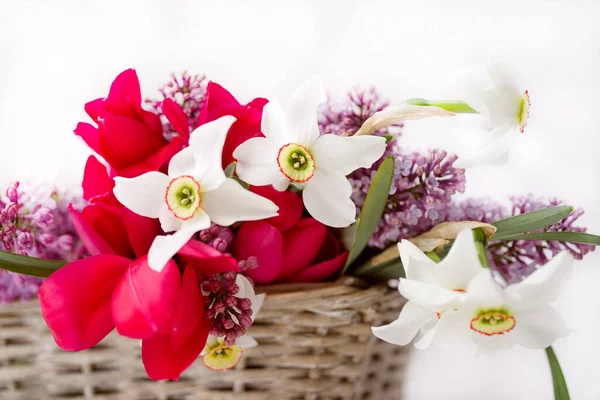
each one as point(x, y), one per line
point(194, 193)
point(496, 318)
point(432, 289)
point(492, 93)
point(292, 152)
point(217, 355)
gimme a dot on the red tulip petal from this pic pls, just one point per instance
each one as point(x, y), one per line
point(107, 221)
point(163, 362)
point(261, 240)
point(96, 181)
point(95, 109)
point(92, 241)
point(125, 94)
point(189, 310)
point(301, 246)
point(75, 300)
point(321, 271)
point(290, 206)
point(89, 134)
point(156, 162)
point(143, 301)
point(331, 248)
point(140, 230)
point(218, 102)
point(177, 118)
point(206, 259)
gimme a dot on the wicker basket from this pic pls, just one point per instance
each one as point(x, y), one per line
point(315, 343)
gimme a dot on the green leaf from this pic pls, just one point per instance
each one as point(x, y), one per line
point(229, 171)
point(530, 221)
point(561, 391)
point(391, 269)
point(572, 237)
point(372, 209)
point(29, 265)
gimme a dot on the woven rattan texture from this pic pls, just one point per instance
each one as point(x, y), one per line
point(315, 344)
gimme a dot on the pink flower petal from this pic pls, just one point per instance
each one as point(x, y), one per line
point(143, 301)
point(301, 246)
point(93, 242)
point(96, 181)
point(206, 259)
point(95, 109)
point(75, 300)
point(89, 134)
point(218, 102)
point(321, 271)
point(107, 222)
point(156, 162)
point(141, 231)
point(189, 310)
point(290, 206)
point(162, 361)
point(261, 240)
point(177, 118)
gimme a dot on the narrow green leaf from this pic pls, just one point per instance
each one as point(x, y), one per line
point(530, 221)
point(391, 269)
point(372, 209)
point(481, 244)
point(561, 391)
point(29, 265)
point(572, 237)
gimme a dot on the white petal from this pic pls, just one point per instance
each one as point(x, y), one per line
point(206, 143)
point(282, 183)
point(230, 203)
point(431, 297)
point(539, 327)
point(417, 265)
point(490, 344)
point(484, 292)
point(327, 198)
point(257, 162)
point(347, 153)
point(496, 152)
point(165, 247)
point(168, 222)
point(405, 328)
point(545, 284)
point(182, 163)
point(461, 264)
point(452, 330)
point(301, 109)
point(398, 113)
point(246, 288)
point(276, 126)
point(144, 194)
point(246, 342)
point(409, 252)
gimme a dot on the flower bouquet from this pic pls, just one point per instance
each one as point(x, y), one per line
point(257, 250)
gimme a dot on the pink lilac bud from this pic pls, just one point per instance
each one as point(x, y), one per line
point(43, 218)
point(12, 192)
point(220, 244)
point(231, 301)
point(65, 243)
point(25, 240)
point(9, 229)
point(230, 338)
point(219, 307)
point(205, 236)
point(46, 239)
point(11, 210)
point(228, 323)
point(244, 321)
point(233, 289)
point(244, 304)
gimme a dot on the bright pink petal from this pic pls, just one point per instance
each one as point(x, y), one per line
point(75, 300)
point(95, 109)
point(301, 246)
point(89, 134)
point(206, 259)
point(143, 301)
point(261, 240)
point(177, 118)
point(218, 102)
point(96, 181)
point(189, 310)
point(156, 162)
point(163, 362)
point(321, 271)
point(290, 206)
point(93, 242)
point(107, 222)
point(141, 231)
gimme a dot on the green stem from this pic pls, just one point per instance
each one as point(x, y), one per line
point(561, 391)
point(454, 106)
point(480, 244)
point(433, 255)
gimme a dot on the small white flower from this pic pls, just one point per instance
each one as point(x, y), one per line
point(194, 193)
point(292, 152)
point(493, 94)
point(433, 289)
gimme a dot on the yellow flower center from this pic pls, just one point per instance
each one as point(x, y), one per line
point(296, 162)
point(222, 357)
point(183, 197)
point(524, 111)
point(492, 322)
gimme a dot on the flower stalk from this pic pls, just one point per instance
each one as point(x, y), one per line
point(480, 245)
point(455, 106)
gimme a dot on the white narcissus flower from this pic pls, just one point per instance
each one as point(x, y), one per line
point(293, 152)
point(497, 318)
point(217, 355)
point(432, 289)
point(493, 94)
point(194, 193)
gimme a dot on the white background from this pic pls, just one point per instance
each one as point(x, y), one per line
point(56, 55)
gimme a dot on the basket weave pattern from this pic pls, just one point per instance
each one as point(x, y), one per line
point(315, 343)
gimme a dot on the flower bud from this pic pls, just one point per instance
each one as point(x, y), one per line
point(12, 192)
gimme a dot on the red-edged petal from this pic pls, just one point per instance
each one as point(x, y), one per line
point(75, 300)
point(301, 246)
point(96, 181)
point(107, 221)
point(156, 162)
point(321, 271)
point(140, 230)
point(177, 118)
point(261, 240)
point(89, 134)
point(93, 242)
point(163, 362)
point(290, 206)
point(95, 109)
point(206, 259)
point(143, 301)
point(218, 102)
point(189, 310)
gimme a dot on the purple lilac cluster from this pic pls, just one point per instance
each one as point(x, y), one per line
point(231, 315)
point(423, 183)
point(35, 222)
point(189, 91)
point(517, 259)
